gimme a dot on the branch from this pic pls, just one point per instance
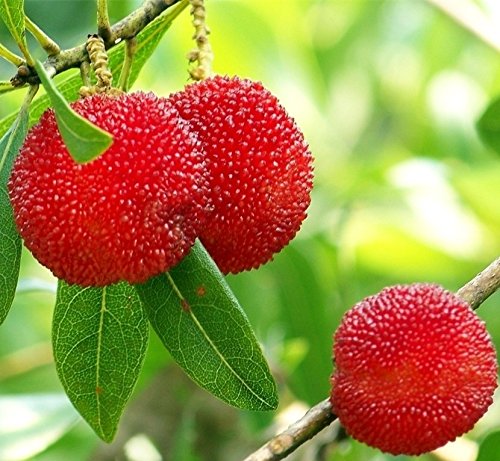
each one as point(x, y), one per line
point(130, 48)
point(320, 416)
point(280, 446)
point(482, 286)
point(127, 28)
point(472, 18)
point(103, 24)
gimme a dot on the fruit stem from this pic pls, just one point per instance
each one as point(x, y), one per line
point(10, 56)
point(482, 286)
point(49, 45)
point(130, 49)
point(85, 73)
point(30, 95)
point(202, 54)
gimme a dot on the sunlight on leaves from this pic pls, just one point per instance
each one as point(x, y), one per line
point(12, 14)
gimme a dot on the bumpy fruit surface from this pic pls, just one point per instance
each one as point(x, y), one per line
point(415, 368)
point(260, 169)
point(129, 214)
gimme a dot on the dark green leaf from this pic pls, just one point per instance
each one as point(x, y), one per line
point(11, 142)
point(488, 126)
point(490, 447)
point(100, 337)
point(10, 242)
point(199, 320)
point(83, 140)
point(147, 40)
point(12, 14)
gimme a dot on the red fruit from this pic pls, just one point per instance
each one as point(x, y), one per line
point(128, 215)
point(415, 368)
point(259, 165)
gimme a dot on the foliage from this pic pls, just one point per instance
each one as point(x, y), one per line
point(199, 320)
point(10, 246)
point(84, 140)
point(388, 95)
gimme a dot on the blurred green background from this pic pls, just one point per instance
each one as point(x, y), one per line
point(387, 94)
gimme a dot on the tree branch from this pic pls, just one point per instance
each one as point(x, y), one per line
point(127, 28)
point(103, 24)
point(482, 286)
point(280, 446)
point(320, 416)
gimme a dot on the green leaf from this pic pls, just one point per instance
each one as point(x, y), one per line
point(12, 14)
point(147, 41)
point(10, 242)
point(200, 322)
point(488, 126)
point(490, 447)
point(100, 337)
point(84, 140)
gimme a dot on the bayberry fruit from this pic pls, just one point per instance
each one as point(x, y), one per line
point(129, 214)
point(415, 368)
point(260, 169)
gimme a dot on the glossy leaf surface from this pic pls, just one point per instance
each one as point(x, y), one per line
point(84, 140)
point(100, 337)
point(10, 242)
point(201, 323)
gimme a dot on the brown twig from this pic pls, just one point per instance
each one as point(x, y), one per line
point(280, 446)
point(482, 286)
point(127, 28)
point(320, 416)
